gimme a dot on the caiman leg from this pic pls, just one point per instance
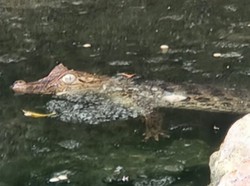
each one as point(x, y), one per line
point(153, 123)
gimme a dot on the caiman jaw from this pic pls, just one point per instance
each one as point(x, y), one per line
point(22, 87)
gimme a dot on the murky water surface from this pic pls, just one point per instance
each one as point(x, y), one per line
point(208, 44)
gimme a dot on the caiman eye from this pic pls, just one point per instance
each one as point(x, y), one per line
point(68, 78)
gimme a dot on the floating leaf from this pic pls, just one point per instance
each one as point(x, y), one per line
point(37, 115)
point(126, 75)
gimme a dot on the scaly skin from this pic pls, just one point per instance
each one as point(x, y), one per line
point(131, 97)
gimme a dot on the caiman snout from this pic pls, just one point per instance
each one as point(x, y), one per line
point(19, 86)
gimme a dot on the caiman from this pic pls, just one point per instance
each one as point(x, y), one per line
point(90, 98)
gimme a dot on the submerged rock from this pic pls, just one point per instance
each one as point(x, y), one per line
point(230, 166)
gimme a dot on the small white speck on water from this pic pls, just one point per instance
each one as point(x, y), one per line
point(86, 45)
point(53, 180)
point(63, 177)
point(216, 128)
point(217, 54)
point(164, 49)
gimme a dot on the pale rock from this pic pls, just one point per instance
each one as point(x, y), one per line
point(230, 165)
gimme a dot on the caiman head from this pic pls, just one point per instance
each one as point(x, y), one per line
point(61, 80)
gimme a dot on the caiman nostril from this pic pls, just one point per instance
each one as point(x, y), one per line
point(19, 82)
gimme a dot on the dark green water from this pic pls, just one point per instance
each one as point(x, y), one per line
point(125, 36)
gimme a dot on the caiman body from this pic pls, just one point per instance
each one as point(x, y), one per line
point(90, 98)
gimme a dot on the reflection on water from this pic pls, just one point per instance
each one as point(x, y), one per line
point(125, 36)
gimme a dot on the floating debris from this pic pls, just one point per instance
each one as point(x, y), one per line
point(164, 49)
point(63, 177)
point(37, 115)
point(53, 180)
point(228, 55)
point(217, 55)
point(86, 45)
point(60, 177)
point(216, 129)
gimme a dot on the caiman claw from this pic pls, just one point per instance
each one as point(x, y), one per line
point(153, 123)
